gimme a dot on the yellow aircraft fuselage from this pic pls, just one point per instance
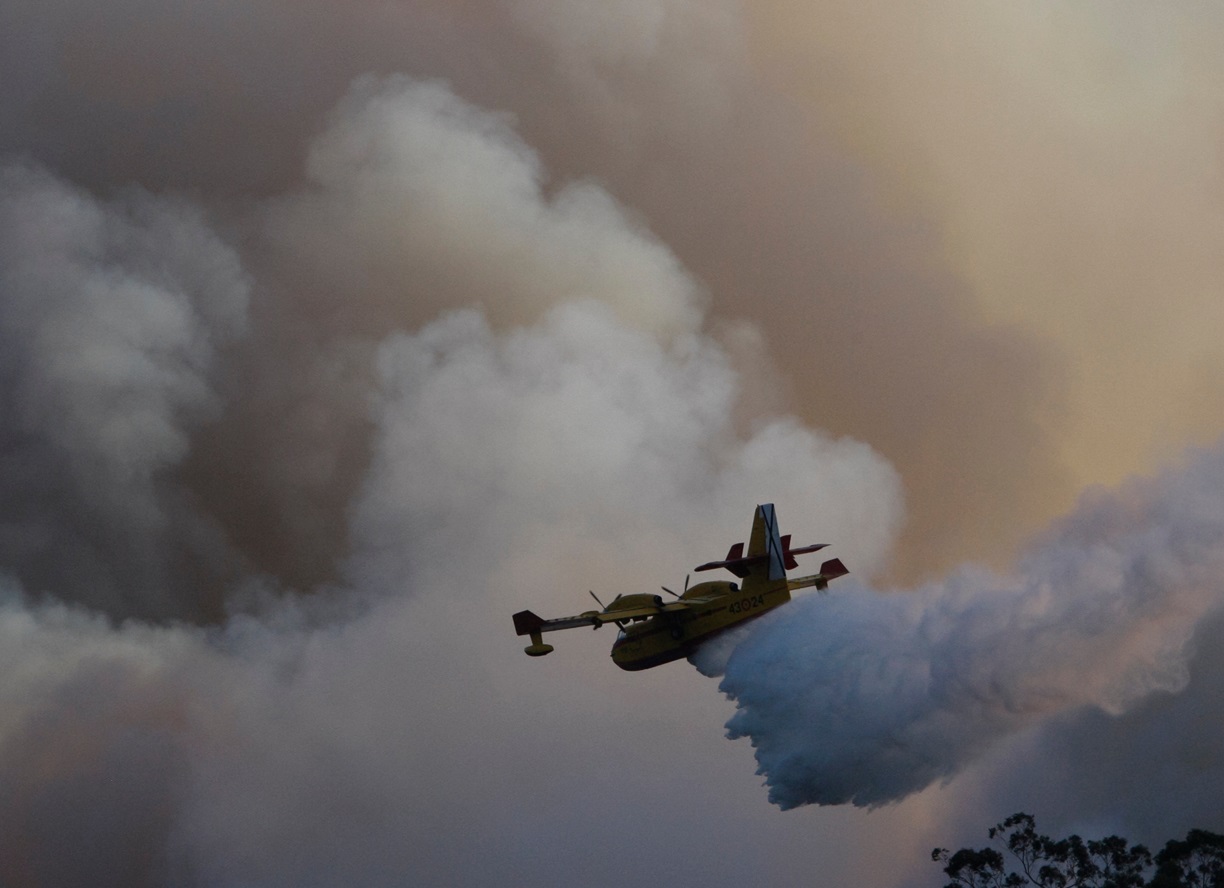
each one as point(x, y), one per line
point(714, 608)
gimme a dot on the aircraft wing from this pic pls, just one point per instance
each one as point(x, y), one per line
point(527, 623)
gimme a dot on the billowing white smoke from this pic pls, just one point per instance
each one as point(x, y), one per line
point(558, 438)
point(583, 429)
point(418, 202)
point(866, 697)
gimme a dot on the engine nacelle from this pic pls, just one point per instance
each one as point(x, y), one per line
point(634, 601)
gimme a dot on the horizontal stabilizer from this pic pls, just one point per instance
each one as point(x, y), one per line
point(830, 570)
point(789, 553)
point(741, 566)
point(735, 556)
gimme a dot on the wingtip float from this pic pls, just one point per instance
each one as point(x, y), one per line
point(654, 631)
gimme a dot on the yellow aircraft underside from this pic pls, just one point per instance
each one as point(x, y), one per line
point(670, 637)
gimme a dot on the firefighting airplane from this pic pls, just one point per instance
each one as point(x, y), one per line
point(653, 632)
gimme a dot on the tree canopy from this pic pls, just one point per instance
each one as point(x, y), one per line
point(1028, 858)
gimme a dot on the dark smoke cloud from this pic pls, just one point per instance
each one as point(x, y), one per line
point(111, 319)
point(1161, 758)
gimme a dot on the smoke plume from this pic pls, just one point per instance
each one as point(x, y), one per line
point(868, 697)
point(511, 452)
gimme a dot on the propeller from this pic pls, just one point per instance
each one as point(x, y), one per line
point(597, 601)
point(673, 594)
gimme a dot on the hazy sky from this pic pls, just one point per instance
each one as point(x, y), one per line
point(331, 335)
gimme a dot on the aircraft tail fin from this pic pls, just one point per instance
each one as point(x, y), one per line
point(765, 541)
